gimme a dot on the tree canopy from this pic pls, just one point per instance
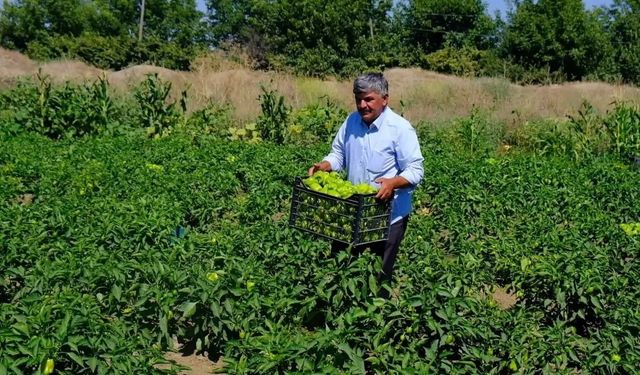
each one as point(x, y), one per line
point(537, 41)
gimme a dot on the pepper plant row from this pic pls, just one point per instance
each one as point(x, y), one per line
point(113, 247)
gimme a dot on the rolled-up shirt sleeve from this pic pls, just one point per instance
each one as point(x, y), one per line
point(336, 156)
point(409, 156)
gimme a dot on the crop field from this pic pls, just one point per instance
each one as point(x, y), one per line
point(521, 255)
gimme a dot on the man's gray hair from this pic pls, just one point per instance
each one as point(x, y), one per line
point(371, 82)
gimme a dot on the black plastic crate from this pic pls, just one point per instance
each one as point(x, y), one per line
point(359, 219)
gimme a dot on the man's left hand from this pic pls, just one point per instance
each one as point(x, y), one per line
point(387, 188)
point(389, 185)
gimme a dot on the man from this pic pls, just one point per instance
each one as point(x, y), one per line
point(377, 146)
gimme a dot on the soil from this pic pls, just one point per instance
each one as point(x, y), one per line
point(24, 199)
point(504, 298)
point(198, 364)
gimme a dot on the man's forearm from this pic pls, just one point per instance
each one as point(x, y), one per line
point(400, 182)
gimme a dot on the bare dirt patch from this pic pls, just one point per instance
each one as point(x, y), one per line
point(278, 216)
point(24, 199)
point(197, 364)
point(503, 297)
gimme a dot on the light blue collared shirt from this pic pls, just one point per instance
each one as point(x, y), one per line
point(387, 148)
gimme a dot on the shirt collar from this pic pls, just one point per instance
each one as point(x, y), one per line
point(379, 121)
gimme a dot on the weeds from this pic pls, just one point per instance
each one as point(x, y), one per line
point(272, 123)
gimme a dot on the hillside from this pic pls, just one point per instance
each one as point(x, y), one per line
point(419, 94)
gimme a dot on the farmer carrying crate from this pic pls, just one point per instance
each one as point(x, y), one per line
point(379, 147)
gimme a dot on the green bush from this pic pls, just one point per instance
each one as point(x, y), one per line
point(104, 52)
point(316, 123)
point(319, 62)
point(214, 119)
point(476, 133)
point(588, 137)
point(585, 135)
point(100, 51)
point(458, 61)
point(108, 52)
point(169, 55)
point(545, 137)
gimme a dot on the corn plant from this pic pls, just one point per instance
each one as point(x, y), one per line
point(623, 127)
point(61, 111)
point(272, 123)
point(587, 132)
point(157, 114)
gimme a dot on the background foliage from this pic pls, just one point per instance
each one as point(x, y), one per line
point(535, 42)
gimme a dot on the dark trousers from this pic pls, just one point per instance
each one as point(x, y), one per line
point(388, 249)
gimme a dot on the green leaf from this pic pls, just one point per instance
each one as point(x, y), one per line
point(215, 309)
point(188, 308)
point(455, 291)
point(116, 292)
point(357, 361)
point(163, 326)
point(64, 326)
point(93, 363)
point(373, 284)
point(76, 358)
point(596, 302)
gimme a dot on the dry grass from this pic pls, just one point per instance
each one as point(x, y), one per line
point(418, 94)
point(68, 70)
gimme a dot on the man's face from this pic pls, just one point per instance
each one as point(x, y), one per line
point(370, 105)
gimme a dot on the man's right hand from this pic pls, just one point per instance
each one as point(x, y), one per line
point(322, 166)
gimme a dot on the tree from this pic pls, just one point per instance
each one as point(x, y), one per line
point(315, 37)
point(176, 21)
point(434, 24)
point(228, 20)
point(559, 35)
point(310, 33)
point(625, 34)
point(24, 21)
point(103, 32)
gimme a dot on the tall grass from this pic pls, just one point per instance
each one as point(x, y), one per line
point(92, 108)
point(420, 95)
